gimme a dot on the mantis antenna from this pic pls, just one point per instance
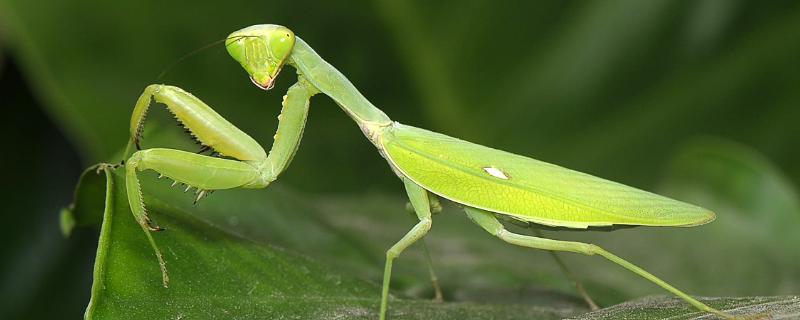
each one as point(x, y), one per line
point(168, 68)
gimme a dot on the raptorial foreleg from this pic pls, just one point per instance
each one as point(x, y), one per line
point(202, 172)
point(201, 121)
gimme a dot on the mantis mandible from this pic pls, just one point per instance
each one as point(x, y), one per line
point(489, 184)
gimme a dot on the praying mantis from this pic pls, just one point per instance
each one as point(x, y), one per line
point(491, 185)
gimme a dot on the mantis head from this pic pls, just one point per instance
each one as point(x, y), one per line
point(261, 50)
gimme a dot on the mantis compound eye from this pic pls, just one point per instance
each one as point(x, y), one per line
point(262, 51)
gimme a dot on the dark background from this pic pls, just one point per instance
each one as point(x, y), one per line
point(695, 99)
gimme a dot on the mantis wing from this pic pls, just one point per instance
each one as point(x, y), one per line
point(524, 188)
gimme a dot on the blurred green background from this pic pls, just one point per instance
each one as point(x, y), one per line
point(698, 100)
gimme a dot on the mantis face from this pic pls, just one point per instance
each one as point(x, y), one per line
point(261, 50)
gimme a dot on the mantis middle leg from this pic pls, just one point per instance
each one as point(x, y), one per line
point(489, 222)
point(570, 276)
point(435, 207)
point(419, 200)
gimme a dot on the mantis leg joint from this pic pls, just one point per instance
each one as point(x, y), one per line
point(417, 232)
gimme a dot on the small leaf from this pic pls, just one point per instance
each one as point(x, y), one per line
point(87, 208)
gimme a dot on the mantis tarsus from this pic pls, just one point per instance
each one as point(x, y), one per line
point(488, 183)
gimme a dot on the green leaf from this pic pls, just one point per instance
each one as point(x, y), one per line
point(662, 307)
point(217, 274)
point(88, 206)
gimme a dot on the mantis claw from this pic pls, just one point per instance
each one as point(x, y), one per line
point(104, 166)
point(150, 226)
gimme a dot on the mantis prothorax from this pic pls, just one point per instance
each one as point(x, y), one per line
point(488, 183)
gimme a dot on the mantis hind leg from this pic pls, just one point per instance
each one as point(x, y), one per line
point(419, 200)
point(202, 172)
point(571, 276)
point(489, 222)
point(561, 264)
point(435, 207)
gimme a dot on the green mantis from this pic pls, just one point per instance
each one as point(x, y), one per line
point(488, 183)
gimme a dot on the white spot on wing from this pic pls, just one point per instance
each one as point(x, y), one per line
point(497, 173)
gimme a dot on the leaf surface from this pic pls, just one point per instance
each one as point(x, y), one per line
point(216, 274)
point(664, 307)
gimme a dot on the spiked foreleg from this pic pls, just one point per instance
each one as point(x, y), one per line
point(202, 172)
point(256, 170)
point(205, 124)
